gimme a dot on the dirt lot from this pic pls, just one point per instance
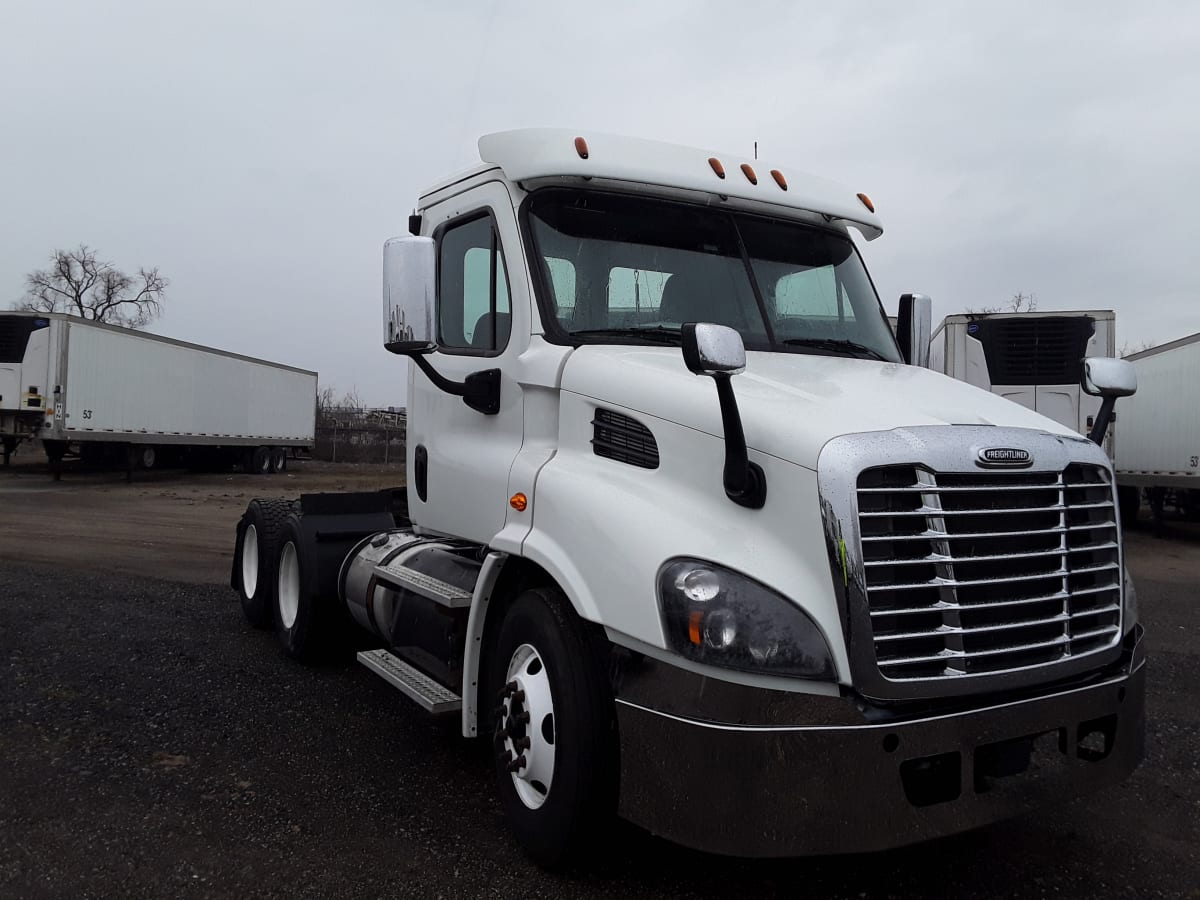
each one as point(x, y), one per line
point(153, 745)
point(169, 523)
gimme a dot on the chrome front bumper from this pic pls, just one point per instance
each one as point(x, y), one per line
point(792, 775)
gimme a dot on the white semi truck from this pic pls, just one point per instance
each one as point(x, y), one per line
point(111, 392)
point(1158, 447)
point(1032, 358)
point(693, 539)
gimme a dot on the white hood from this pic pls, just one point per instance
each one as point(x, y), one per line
point(791, 404)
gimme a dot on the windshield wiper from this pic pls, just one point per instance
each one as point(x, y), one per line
point(837, 344)
point(658, 334)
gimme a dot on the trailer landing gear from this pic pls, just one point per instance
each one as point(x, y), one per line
point(9, 447)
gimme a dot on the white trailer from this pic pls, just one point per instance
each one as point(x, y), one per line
point(1159, 444)
point(105, 391)
point(1031, 358)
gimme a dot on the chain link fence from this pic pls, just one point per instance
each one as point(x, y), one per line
point(350, 434)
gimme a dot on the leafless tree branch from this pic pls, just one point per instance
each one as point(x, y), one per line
point(79, 283)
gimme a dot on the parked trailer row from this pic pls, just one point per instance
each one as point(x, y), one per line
point(115, 394)
point(1158, 443)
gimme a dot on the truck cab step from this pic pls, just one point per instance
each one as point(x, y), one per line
point(425, 585)
point(429, 695)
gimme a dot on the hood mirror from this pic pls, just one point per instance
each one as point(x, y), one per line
point(717, 351)
point(712, 349)
point(1104, 376)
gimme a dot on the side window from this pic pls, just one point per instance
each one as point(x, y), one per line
point(474, 310)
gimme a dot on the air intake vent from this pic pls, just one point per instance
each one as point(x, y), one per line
point(1034, 349)
point(616, 436)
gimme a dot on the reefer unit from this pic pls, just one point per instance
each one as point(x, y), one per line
point(69, 381)
point(1032, 358)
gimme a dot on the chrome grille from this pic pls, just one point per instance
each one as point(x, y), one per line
point(985, 572)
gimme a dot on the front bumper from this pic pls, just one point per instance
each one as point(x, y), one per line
point(834, 781)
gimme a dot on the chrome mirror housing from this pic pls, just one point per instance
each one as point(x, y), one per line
point(1105, 376)
point(409, 273)
point(712, 349)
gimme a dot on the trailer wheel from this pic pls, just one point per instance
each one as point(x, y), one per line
point(278, 460)
point(1130, 499)
point(260, 460)
point(147, 457)
point(555, 727)
point(306, 628)
point(256, 557)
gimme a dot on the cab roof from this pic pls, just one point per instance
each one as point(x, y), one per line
point(538, 154)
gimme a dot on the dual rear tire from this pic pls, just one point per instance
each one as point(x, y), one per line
point(257, 558)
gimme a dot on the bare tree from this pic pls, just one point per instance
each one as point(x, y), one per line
point(1129, 348)
point(79, 283)
point(1018, 303)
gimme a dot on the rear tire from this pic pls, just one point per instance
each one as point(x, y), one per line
point(260, 461)
point(147, 457)
point(278, 460)
point(307, 628)
point(556, 724)
point(257, 557)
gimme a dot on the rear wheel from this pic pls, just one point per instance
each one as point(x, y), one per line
point(555, 728)
point(257, 556)
point(307, 628)
point(147, 457)
point(260, 460)
point(278, 459)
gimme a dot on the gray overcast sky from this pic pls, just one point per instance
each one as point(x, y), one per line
point(260, 153)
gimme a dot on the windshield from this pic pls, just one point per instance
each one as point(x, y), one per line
point(619, 269)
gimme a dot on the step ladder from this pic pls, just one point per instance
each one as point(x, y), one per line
point(428, 694)
point(426, 586)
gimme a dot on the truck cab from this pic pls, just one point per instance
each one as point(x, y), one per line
point(696, 539)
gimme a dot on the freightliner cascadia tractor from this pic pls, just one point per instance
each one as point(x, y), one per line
point(691, 537)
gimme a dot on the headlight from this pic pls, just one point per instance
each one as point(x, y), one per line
point(721, 618)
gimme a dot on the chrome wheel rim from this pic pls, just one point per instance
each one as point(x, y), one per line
point(525, 730)
point(289, 585)
point(250, 562)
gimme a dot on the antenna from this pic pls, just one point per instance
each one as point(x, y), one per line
point(756, 151)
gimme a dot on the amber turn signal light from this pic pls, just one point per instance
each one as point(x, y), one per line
point(866, 201)
point(518, 501)
point(581, 148)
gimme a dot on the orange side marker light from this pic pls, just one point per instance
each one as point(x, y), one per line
point(518, 501)
point(749, 173)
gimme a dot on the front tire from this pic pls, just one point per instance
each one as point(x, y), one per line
point(555, 737)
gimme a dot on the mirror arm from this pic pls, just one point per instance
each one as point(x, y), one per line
point(480, 390)
point(745, 482)
point(1103, 417)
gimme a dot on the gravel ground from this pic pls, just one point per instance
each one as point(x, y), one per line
point(153, 745)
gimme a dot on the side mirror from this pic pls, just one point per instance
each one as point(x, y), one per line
point(1109, 378)
point(717, 351)
point(409, 267)
point(712, 349)
point(1104, 376)
point(914, 326)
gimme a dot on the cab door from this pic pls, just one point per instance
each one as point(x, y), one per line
point(459, 458)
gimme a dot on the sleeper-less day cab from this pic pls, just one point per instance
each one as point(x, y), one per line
point(692, 538)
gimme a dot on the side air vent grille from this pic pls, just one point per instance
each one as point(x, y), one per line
point(617, 436)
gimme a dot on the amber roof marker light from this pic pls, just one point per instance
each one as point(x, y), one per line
point(581, 148)
point(866, 201)
point(749, 173)
point(779, 179)
point(716, 166)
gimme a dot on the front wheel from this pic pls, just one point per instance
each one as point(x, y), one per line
point(555, 735)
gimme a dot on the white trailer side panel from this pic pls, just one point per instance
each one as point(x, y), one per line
point(1158, 441)
point(121, 383)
